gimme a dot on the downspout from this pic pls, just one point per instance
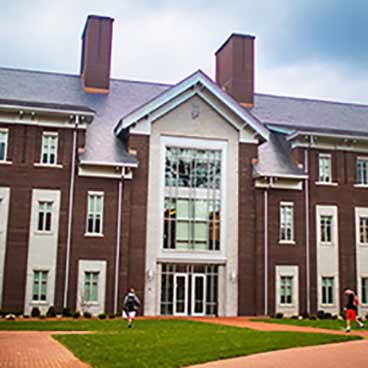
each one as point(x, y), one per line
point(265, 251)
point(307, 234)
point(70, 211)
point(118, 235)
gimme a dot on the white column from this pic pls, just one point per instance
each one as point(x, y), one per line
point(4, 213)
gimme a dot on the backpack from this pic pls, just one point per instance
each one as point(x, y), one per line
point(130, 303)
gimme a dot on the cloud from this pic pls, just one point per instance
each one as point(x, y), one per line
point(314, 79)
point(328, 30)
point(308, 48)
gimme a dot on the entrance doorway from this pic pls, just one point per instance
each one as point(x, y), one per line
point(189, 290)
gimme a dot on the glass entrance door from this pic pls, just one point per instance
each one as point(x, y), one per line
point(180, 294)
point(198, 294)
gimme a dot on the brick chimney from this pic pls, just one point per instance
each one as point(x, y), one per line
point(96, 54)
point(235, 68)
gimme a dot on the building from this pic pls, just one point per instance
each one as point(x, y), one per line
point(208, 198)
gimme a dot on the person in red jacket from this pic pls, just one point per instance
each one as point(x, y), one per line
point(351, 309)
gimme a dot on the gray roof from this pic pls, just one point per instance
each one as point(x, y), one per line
point(274, 158)
point(314, 114)
point(124, 96)
point(45, 105)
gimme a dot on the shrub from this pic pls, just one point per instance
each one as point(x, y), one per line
point(35, 312)
point(312, 317)
point(51, 312)
point(328, 315)
point(279, 315)
point(112, 316)
point(321, 314)
point(305, 315)
point(102, 316)
point(26, 316)
point(294, 317)
point(366, 317)
point(335, 316)
point(76, 315)
point(42, 316)
point(66, 312)
point(87, 315)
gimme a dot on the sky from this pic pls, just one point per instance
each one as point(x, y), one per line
point(304, 48)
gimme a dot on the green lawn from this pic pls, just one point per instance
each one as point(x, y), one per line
point(319, 323)
point(167, 343)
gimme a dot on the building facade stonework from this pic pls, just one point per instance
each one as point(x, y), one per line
point(208, 198)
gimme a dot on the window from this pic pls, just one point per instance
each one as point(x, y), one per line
point(49, 148)
point(95, 213)
point(326, 229)
point(3, 144)
point(327, 290)
point(39, 286)
point(325, 168)
point(192, 199)
point(363, 230)
point(364, 290)
point(286, 222)
point(44, 216)
point(362, 171)
point(91, 286)
point(286, 290)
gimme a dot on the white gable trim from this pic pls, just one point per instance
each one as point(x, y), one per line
point(192, 83)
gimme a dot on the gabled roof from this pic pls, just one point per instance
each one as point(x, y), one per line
point(196, 79)
point(102, 146)
point(66, 89)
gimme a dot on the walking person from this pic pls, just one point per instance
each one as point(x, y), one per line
point(351, 309)
point(130, 306)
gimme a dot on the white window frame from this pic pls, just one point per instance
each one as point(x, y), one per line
point(365, 173)
point(359, 218)
point(90, 194)
point(91, 302)
point(48, 152)
point(194, 143)
point(40, 272)
point(292, 240)
point(322, 175)
point(363, 303)
point(292, 291)
point(43, 229)
point(331, 242)
point(334, 296)
point(6, 131)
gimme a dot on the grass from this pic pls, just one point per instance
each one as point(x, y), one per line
point(167, 343)
point(330, 324)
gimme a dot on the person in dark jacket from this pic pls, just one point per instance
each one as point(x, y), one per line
point(351, 309)
point(130, 306)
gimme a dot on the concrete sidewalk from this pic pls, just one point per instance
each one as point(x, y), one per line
point(348, 354)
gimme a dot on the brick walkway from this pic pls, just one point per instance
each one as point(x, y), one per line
point(264, 326)
point(31, 349)
point(354, 354)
